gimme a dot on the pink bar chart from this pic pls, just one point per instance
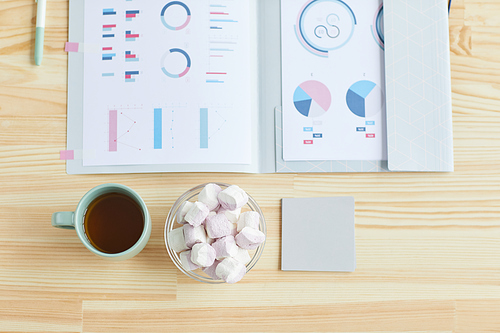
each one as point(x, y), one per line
point(113, 130)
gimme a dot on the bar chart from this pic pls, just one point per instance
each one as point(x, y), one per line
point(203, 128)
point(131, 15)
point(131, 57)
point(130, 36)
point(121, 125)
point(212, 123)
point(108, 12)
point(158, 128)
point(130, 76)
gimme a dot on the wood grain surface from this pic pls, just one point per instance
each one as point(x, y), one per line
point(428, 244)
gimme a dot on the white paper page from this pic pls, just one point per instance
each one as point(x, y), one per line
point(333, 80)
point(170, 82)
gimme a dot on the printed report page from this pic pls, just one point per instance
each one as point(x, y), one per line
point(167, 82)
point(333, 80)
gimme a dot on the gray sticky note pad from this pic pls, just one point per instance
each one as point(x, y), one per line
point(318, 234)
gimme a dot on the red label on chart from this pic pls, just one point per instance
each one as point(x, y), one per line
point(370, 135)
point(308, 142)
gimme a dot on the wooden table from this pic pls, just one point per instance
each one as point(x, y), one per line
point(428, 244)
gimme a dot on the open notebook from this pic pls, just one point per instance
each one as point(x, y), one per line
point(210, 86)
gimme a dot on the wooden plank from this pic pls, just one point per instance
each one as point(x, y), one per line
point(151, 317)
point(31, 315)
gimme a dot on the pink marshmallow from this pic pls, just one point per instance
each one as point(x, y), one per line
point(209, 196)
point(182, 211)
point(218, 226)
point(230, 270)
point(249, 219)
point(197, 214)
point(193, 235)
point(186, 261)
point(232, 198)
point(202, 254)
point(210, 271)
point(249, 238)
point(225, 247)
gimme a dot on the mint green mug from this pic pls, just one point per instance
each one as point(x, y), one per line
point(75, 220)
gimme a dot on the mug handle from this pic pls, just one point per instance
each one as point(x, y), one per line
point(63, 220)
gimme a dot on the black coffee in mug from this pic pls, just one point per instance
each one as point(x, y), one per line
point(113, 222)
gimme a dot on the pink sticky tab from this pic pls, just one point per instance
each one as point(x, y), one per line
point(67, 155)
point(71, 47)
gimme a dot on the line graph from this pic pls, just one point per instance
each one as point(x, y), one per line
point(120, 126)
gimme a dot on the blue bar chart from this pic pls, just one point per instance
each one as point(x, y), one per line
point(203, 128)
point(108, 11)
point(158, 128)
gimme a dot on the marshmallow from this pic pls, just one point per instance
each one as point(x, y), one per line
point(193, 235)
point(197, 214)
point(209, 196)
point(176, 240)
point(210, 271)
point(210, 214)
point(230, 270)
point(186, 261)
point(225, 247)
point(202, 254)
point(249, 219)
point(218, 226)
point(182, 211)
point(232, 215)
point(234, 229)
point(249, 238)
point(242, 256)
point(232, 198)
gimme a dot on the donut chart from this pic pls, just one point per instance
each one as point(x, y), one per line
point(182, 73)
point(365, 99)
point(378, 27)
point(312, 99)
point(170, 26)
point(324, 25)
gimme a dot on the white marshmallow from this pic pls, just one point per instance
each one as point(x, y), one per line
point(202, 254)
point(193, 235)
point(249, 219)
point(218, 226)
point(210, 240)
point(230, 270)
point(232, 215)
point(197, 214)
point(242, 256)
point(210, 271)
point(225, 247)
point(176, 240)
point(182, 211)
point(232, 198)
point(209, 196)
point(186, 261)
point(249, 238)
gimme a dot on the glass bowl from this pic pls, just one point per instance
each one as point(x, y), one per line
point(171, 223)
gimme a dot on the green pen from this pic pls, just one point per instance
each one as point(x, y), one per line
point(40, 30)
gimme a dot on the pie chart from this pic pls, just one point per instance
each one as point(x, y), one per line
point(365, 99)
point(312, 98)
